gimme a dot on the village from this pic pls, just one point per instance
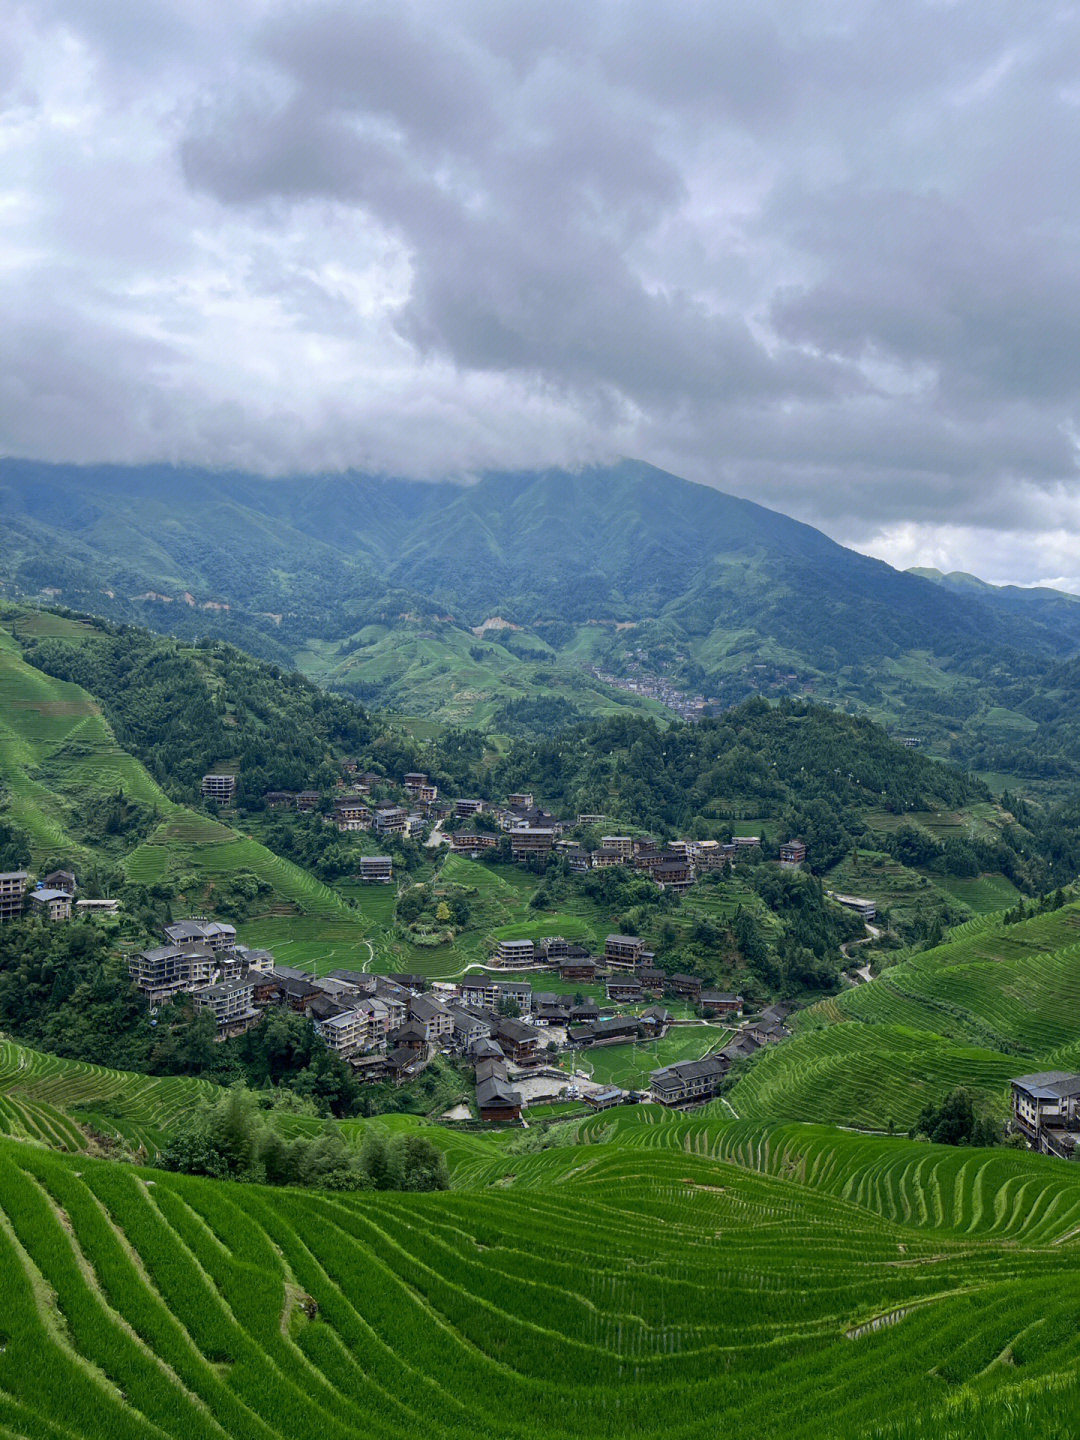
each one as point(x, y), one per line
point(524, 1044)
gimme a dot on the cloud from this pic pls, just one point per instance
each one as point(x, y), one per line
point(819, 255)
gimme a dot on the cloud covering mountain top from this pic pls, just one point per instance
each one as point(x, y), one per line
point(822, 255)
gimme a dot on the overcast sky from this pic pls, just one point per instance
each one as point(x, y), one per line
point(824, 255)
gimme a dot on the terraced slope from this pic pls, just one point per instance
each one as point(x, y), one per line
point(599, 1290)
point(48, 1099)
point(995, 1001)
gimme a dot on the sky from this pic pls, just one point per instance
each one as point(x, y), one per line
point(821, 255)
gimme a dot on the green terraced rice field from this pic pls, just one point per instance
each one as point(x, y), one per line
point(45, 1098)
point(650, 1277)
point(984, 894)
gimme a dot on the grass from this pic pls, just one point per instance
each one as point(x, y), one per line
point(629, 1066)
point(642, 1276)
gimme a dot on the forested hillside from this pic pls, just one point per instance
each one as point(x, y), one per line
point(376, 587)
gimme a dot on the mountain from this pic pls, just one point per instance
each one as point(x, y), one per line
point(450, 599)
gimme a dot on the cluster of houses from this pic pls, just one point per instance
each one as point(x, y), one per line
point(690, 1082)
point(51, 898)
point(535, 833)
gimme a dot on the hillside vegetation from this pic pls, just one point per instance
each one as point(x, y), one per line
point(570, 1292)
point(377, 586)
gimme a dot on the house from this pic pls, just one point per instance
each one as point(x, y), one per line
point(621, 845)
point(792, 854)
point(351, 1031)
point(591, 817)
point(414, 779)
point(480, 994)
point(688, 1082)
point(720, 1002)
point(352, 815)
point(405, 981)
point(655, 1020)
point(436, 1019)
point(390, 820)
point(518, 1041)
point(746, 842)
point(376, 869)
point(623, 952)
point(213, 935)
point(50, 904)
point(164, 971)
point(297, 991)
point(585, 1013)
point(496, 1099)
point(745, 1043)
point(60, 880)
point(468, 1026)
point(485, 1048)
point(578, 967)
point(684, 985)
point(623, 988)
point(652, 979)
point(556, 1012)
point(866, 908)
point(644, 845)
point(97, 907)
point(532, 841)
point(1046, 1107)
point(232, 1004)
point(519, 992)
point(465, 809)
point(520, 800)
point(580, 861)
point(618, 1029)
point(471, 842)
point(673, 873)
point(513, 954)
point(12, 894)
point(553, 948)
point(413, 1035)
point(708, 855)
point(261, 962)
point(604, 1099)
point(605, 859)
point(404, 1064)
point(307, 800)
point(279, 799)
point(219, 788)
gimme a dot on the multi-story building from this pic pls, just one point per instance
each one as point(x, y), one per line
point(214, 935)
point(621, 844)
point(51, 904)
point(164, 971)
point(688, 1082)
point(720, 1002)
point(1046, 1110)
point(351, 815)
point(436, 1019)
point(591, 818)
point(219, 788)
point(390, 820)
point(352, 1031)
point(465, 809)
point(308, 800)
point(231, 1002)
point(623, 952)
point(866, 908)
point(471, 842)
point(672, 872)
point(60, 880)
point(532, 841)
point(13, 885)
point(513, 954)
point(520, 800)
point(376, 869)
point(792, 854)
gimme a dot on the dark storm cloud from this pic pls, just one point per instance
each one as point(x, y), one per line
point(820, 254)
